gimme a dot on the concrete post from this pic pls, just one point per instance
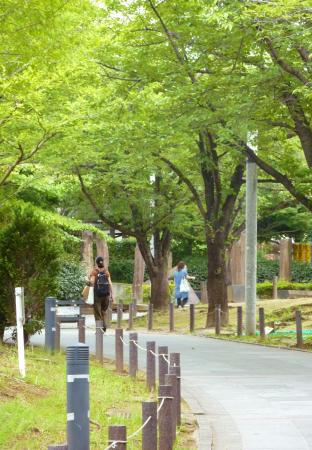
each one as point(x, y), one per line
point(133, 354)
point(119, 350)
point(171, 317)
point(165, 417)
point(118, 434)
point(150, 366)
point(77, 357)
point(218, 319)
point(275, 294)
point(299, 329)
point(251, 247)
point(239, 321)
point(50, 323)
point(192, 318)
point(149, 432)
point(82, 330)
point(171, 380)
point(162, 364)
point(58, 334)
point(150, 317)
point(176, 370)
point(261, 323)
point(99, 341)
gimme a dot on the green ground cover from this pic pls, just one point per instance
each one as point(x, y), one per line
point(33, 410)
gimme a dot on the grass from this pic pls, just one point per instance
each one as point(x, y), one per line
point(33, 410)
point(278, 313)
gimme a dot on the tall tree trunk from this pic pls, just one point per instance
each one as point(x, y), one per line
point(216, 281)
point(160, 285)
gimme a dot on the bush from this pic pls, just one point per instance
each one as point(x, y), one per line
point(121, 250)
point(71, 281)
point(265, 290)
point(301, 271)
point(29, 257)
point(121, 270)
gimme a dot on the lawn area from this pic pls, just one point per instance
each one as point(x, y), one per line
point(33, 410)
point(279, 314)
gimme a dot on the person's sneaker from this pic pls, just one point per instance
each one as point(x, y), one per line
point(103, 329)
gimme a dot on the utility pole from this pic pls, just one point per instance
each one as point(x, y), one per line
point(251, 242)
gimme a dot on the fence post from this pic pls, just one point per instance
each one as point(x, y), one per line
point(162, 364)
point(176, 370)
point(261, 323)
point(133, 354)
point(171, 317)
point(119, 314)
point(171, 380)
point(82, 330)
point(218, 319)
point(165, 417)
point(118, 434)
point(109, 312)
point(299, 329)
point(150, 317)
point(57, 334)
point(77, 357)
point(50, 323)
point(131, 310)
point(99, 340)
point(119, 350)
point(192, 317)
point(174, 359)
point(149, 432)
point(275, 294)
point(239, 320)
point(150, 365)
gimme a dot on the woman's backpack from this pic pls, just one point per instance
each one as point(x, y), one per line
point(101, 285)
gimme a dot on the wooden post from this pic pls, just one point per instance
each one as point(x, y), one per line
point(149, 432)
point(87, 250)
point(299, 329)
point(82, 330)
point(150, 365)
point(150, 317)
point(162, 363)
point(99, 341)
point(176, 370)
point(118, 434)
point(119, 350)
point(133, 354)
point(58, 334)
point(239, 320)
point(192, 318)
point(171, 380)
point(285, 259)
point(275, 294)
point(261, 323)
point(130, 324)
point(218, 319)
point(203, 292)
point(119, 314)
point(165, 417)
point(171, 317)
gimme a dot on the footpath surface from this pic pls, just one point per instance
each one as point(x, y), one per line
point(245, 397)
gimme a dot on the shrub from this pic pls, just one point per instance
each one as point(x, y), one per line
point(121, 270)
point(301, 271)
point(120, 250)
point(265, 290)
point(29, 257)
point(71, 280)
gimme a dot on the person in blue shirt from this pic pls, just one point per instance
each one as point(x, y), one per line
point(179, 275)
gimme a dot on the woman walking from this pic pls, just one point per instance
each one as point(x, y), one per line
point(181, 286)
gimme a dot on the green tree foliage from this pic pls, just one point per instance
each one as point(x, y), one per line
point(29, 257)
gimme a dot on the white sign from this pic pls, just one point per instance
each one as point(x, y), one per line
point(67, 311)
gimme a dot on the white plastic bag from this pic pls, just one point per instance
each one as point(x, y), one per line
point(90, 299)
point(184, 285)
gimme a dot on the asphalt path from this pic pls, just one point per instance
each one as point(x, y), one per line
point(245, 397)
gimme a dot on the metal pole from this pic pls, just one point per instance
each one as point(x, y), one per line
point(118, 434)
point(165, 417)
point(171, 317)
point(239, 321)
point(119, 350)
point(78, 431)
point(50, 323)
point(99, 340)
point(150, 365)
point(192, 318)
point(251, 247)
point(162, 363)
point(82, 330)
point(150, 317)
point(149, 432)
point(133, 354)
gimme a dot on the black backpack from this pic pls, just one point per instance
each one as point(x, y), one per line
point(101, 288)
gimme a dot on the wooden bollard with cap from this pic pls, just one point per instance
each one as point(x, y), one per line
point(119, 350)
point(150, 365)
point(261, 323)
point(192, 317)
point(130, 322)
point(165, 398)
point(149, 432)
point(171, 317)
point(162, 363)
point(117, 434)
point(176, 370)
point(239, 321)
point(299, 329)
point(82, 330)
point(218, 319)
point(119, 313)
point(150, 317)
point(57, 344)
point(99, 340)
point(171, 380)
point(133, 354)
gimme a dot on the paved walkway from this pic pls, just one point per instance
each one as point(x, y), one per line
point(245, 397)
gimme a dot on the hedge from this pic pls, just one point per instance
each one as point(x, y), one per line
point(265, 290)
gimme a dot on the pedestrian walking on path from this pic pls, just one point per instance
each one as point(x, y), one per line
point(182, 286)
point(103, 290)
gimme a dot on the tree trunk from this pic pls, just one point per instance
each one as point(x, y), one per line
point(216, 281)
point(160, 286)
